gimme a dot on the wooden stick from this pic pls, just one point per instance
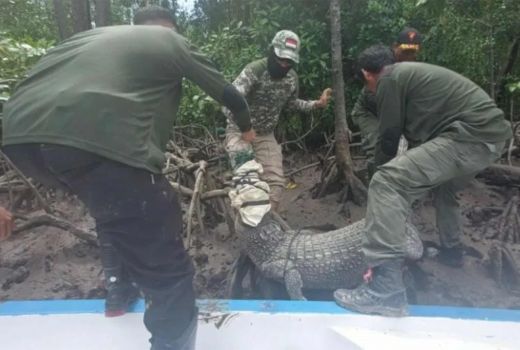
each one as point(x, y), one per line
point(291, 173)
point(43, 203)
point(194, 199)
point(185, 191)
point(214, 194)
point(230, 220)
point(9, 188)
point(501, 174)
point(311, 129)
point(51, 220)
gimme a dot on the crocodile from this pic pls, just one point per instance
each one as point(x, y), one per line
point(312, 260)
point(298, 258)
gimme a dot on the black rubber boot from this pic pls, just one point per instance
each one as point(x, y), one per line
point(120, 298)
point(121, 293)
point(384, 295)
point(185, 342)
point(453, 256)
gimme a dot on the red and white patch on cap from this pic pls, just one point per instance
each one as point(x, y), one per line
point(291, 43)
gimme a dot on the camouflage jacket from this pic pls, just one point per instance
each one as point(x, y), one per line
point(267, 97)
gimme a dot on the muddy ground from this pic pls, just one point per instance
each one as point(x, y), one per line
point(47, 263)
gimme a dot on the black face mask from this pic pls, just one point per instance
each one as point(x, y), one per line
point(273, 67)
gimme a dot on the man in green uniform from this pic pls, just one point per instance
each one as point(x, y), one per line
point(94, 115)
point(456, 130)
point(270, 85)
point(364, 114)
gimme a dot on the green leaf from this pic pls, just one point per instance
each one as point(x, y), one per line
point(513, 87)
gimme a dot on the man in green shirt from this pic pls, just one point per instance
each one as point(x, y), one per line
point(364, 114)
point(455, 130)
point(94, 116)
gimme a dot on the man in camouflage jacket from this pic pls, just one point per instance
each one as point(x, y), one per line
point(270, 85)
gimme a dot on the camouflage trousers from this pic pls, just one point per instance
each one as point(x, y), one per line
point(266, 151)
point(368, 128)
point(443, 165)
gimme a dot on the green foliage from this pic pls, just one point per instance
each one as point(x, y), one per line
point(472, 37)
point(28, 20)
point(18, 57)
point(514, 88)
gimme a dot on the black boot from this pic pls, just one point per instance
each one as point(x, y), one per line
point(120, 298)
point(384, 295)
point(453, 256)
point(185, 342)
point(121, 293)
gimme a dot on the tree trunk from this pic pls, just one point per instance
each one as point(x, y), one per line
point(508, 68)
point(103, 13)
point(61, 16)
point(80, 15)
point(343, 158)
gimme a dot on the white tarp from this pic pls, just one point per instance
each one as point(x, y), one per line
point(249, 193)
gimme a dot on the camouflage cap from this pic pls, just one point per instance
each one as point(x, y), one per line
point(286, 44)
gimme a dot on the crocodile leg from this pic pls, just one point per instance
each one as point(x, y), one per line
point(274, 269)
point(294, 284)
point(282, 270)
point(241, 267)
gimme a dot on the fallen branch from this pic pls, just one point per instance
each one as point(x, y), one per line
point(51, 220)
point(501, 174)
point(182, 189)
point(19, 188)
point(178, 150)
point(194, 204)
point(43, 203)
point(214, 194)
point(203, 196)
point(311, 129)
point(193, 126)
point(308, 166)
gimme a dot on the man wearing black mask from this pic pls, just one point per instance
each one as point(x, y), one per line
point(270, 85)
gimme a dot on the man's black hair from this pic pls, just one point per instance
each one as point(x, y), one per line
point(153, 13)
point(375, 58)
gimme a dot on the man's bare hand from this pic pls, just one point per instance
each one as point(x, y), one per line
point(324, 98)
point(249, 136)
point(6, 223)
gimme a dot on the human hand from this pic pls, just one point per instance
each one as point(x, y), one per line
point(6, 223)
point(324, 98)
point(249, 136)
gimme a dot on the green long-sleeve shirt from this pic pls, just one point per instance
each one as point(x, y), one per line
point(422, 101)
point(114, 91)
